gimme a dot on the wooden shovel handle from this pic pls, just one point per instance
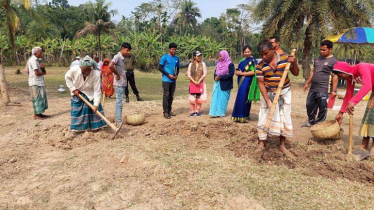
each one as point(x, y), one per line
point(279, 89)
point(98, 113)
point(350, 139)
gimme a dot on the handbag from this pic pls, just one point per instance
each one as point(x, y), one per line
point(194, 89)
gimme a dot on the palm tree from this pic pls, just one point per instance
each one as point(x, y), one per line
point(187, 15)
point(286, 18)
point(98, 15)
point(12, 20)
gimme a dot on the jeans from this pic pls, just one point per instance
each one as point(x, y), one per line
point(168, 95)
point(120, 91)
point(316, 101)
point(131, 79)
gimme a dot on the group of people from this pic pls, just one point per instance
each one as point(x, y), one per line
point(254, 79)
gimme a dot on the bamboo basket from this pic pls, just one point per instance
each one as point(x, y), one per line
point(135, 119)
point(326, 130)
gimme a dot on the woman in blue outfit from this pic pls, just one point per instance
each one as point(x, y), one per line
point(223, 83)
point(245, 72)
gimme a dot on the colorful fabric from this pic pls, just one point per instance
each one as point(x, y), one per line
point(242, 107)
point(39, 99)
point(82, 116)
point(198, 98)
point(357, 35)
point(88, 61)
point(170, 64)
point(367, 125)
point(271, 76)
point(219, 102)
point(196, 70)
point(107, 80)
point(222, 67)
point(281, 124)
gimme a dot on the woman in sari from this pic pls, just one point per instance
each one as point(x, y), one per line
point(223, 83)
point(107, 79)
point(245, 72)
point(197, 72)
point(365, 72)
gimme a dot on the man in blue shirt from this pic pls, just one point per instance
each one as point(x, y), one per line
point(169, 67)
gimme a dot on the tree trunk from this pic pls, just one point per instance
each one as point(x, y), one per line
point(306, 52)
point(99, 43)
point(3, 86)
point(11, 35)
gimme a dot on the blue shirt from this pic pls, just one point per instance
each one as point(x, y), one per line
point(170, 63)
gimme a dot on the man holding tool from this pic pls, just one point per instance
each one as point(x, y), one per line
point(274, 83)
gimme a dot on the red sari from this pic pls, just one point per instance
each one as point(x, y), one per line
point(107, 79)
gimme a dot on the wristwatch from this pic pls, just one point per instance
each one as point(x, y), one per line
point(335, 91)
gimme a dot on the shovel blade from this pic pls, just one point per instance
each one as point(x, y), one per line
point(360, 154)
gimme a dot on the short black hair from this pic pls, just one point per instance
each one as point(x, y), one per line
point(275, 37)
point(247, 47)
point(328, 43)
point(263, 45)
point(173, 45)
point(126, 45)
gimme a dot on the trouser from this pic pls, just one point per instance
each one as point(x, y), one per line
point(168, 95)
point(316, 101)
point(119, 102)
point(131, 79)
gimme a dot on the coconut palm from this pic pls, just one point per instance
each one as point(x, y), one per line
point(98, 15)
point(186, 18)
point(286, 18)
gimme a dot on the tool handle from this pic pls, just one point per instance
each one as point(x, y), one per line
point(279, 89)
point(350, 139)
point(98, 113)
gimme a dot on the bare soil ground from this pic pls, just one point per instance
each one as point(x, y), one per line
point(182, 163)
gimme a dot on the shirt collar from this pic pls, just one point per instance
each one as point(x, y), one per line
point(119, 53)
point(278, 58)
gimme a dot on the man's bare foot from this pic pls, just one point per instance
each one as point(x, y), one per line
point(38, 117)
point(286, 152)
point(260, 147)
point(365, 143)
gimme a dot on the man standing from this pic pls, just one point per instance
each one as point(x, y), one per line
point(99, 63)
point(117, 66)
point(169, 67)
point(129, 67)
point(324, 82)
point(269, 73)
point(84, 80)
point(276, 44)
point(36, 83)
point(76, 62)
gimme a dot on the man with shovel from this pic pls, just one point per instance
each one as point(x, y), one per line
point(83, 80)
point(269, 74)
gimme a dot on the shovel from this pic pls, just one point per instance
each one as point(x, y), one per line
point(357, 154)
point(102, 117)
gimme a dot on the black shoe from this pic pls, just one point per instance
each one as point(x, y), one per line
point(127, 99)
point(139, 99)
point(172, 114)
point(167, 115)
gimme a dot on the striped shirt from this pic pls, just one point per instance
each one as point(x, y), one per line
point(271, 76)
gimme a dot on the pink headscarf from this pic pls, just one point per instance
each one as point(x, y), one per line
point(343, 67)
point(223, 65)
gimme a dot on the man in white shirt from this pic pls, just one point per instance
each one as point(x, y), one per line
point(36, 72)
point(99, 63)
point(84, 80)
point(76, 62)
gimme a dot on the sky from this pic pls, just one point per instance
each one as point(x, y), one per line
point(208, 8)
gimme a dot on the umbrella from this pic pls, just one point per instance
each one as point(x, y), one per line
point(357, 35)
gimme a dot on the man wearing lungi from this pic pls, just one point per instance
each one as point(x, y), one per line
point(269, 73)
point(84, 80)
point(36, 71)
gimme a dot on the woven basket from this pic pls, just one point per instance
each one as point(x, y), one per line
point(326, 130)
point(341, 96)
point(135, 119)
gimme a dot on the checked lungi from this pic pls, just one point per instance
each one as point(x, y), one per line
point(39, 99)
point(281, 124)
point(367, 125)
point(82, 116)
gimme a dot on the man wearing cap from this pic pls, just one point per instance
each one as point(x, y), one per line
point(76, 62)
point(169, 67)
point(129, 60)
point(83, 80)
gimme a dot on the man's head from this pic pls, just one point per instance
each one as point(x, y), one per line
point(275, 42)
point(86, 65)
point(173, 48)
point(265, 48)
point(78, 58)
point(97, 59)
point(343, 70)
point(125, 49)
point(325, 49)
point(37, 51)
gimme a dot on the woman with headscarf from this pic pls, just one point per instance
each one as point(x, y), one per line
point(365, 71)
point(223, 83)
point(248, 89)
point(197, 72)
point(107, 79)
